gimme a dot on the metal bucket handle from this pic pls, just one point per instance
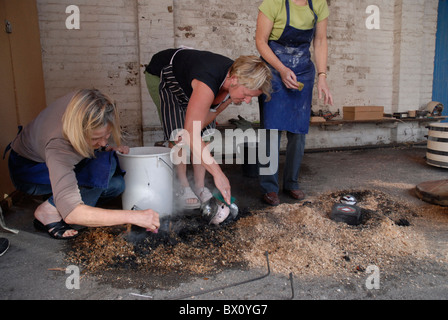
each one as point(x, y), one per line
point(172, 170)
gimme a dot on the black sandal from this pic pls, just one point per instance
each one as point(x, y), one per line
point(55, 229)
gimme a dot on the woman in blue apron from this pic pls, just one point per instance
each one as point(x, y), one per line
point(64, 152)
point(286, 50)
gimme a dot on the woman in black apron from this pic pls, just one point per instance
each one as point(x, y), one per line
point(293, 79)
point(195, 87)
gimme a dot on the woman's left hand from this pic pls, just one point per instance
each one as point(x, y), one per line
point(322, 88)
point(121, 149)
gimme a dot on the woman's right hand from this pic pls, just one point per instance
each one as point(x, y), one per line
point(223, 185)
point(289, 78)
point(148, 219)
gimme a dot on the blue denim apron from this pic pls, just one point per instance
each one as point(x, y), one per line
point(290, 109)
point(99, 179)
point(90, 172)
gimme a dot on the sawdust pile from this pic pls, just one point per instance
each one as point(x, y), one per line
point(303, 240)
point(300, 238)
point(196, 249)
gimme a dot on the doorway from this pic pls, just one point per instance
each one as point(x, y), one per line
point(22, 94)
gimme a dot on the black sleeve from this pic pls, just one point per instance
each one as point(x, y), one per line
point(159, 60)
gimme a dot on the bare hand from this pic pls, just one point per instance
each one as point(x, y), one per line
point(322, 88)
point(223, 185)
point(121, 149)
point(148, 219)
point(289, 79)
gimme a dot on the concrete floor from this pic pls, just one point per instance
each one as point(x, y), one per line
point(25, 269)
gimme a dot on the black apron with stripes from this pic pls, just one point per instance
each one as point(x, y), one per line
point(173, 105)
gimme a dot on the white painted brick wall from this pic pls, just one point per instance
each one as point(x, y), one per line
point(103, 54)
point(392, 66)
point(156, 32)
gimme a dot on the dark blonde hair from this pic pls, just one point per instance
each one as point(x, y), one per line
point(253, 73)
point(89, 110)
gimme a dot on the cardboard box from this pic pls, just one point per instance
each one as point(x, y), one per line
point(363, 113)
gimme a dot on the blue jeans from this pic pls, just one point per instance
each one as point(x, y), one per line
point(294, 154)
point(90, 196)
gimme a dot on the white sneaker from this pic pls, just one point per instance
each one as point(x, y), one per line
point(187, 194)
point(204, 194)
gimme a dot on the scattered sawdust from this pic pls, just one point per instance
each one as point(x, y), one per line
point(195, 249)
point(300, 238)
point(305, 241)
point(393, 186)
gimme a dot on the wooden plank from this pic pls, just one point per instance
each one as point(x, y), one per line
point(435, 192)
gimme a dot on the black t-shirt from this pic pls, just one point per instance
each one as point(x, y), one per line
point(159, 60)
point(188, 64)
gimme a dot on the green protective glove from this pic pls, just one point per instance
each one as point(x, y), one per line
point(241, 123)
point(232, 206)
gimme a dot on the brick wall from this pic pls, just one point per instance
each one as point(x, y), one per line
point(156, 32)
point(103, 53)
point(416, 24)
point(390, 66)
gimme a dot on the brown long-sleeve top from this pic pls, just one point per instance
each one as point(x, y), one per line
point(42, 141)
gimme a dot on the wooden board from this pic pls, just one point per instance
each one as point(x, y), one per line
point(435, 192)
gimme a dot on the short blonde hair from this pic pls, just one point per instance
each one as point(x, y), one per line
point(89, 110)
point(253, 73)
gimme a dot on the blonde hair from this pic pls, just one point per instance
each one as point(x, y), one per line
point(89, 110)
point(253, 73)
